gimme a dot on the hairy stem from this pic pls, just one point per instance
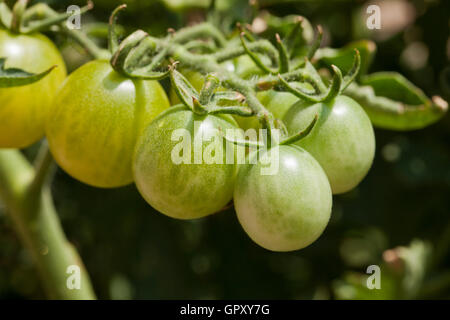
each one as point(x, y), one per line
point(87, 43)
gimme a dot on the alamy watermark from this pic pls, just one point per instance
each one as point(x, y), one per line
point(74, 21)
point(73, 281)
point(206, 146)
point(374, 280)
point(374, 19)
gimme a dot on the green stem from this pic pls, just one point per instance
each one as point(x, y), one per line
point(260, 46)
point(199, 31)
point(17, 14)
point(88, 44)
point(207, 64)
point(43, 165)
point(37, 224)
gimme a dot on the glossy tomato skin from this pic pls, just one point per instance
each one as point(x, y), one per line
point(342, 141)
point(184, 190)
point(23, 109)
point(95, 120)
point(287, 210)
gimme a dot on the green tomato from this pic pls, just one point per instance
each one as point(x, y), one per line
point(23, 109)
point(185, 188)
point(342, 141)
point(286, 209)
point(95, 121)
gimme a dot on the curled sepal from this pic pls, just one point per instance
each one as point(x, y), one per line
point(13, 77)
point(227, 97)
point(236, 110)
point(121, 56)
point(255, 57)
point(298, 91)
point(200, 46)
point(333, 90)
point(302, 134)
point(146, 75)
point(139, 55)
point(394, 103)
point(269, 123)
point(316, 43)
point(113, 39)
point(297, 32)
point(30, 26)
point(245, 31)
point(210, 85)
point(336, 84)
point(294, 36)
point(281, 126)
point(185, 91)
point(241, 142)
point(315, 76)
point(197, 107)
point(5, 16)
point(353, 72)
point(283, 63)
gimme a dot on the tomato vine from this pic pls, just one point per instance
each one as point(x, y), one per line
point(286, 63)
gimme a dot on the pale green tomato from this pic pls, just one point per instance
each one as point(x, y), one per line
point(167, 173)
point(342, 141)
point(95, 121)
point(288, 209)
point(23, 109)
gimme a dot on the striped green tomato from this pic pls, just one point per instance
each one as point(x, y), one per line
point(180, 176)
point(342, 141)
point(287, 208)
point(95, 121)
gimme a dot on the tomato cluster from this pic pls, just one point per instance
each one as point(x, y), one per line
point(108, 130)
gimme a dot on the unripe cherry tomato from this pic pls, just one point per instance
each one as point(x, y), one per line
point(342, 141)
point(184, 190)
point(95, 121)
point(286, 210)
point(23, 109)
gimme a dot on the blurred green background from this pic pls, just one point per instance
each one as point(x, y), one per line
point(398, 218)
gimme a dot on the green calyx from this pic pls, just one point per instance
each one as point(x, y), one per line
point(128, 56)
point(207, 101)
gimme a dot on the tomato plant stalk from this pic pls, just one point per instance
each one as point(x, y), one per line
point(26, 193)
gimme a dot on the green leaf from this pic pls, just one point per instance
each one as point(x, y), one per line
point(392, 102)
point(14, 77)
point(343, 57)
